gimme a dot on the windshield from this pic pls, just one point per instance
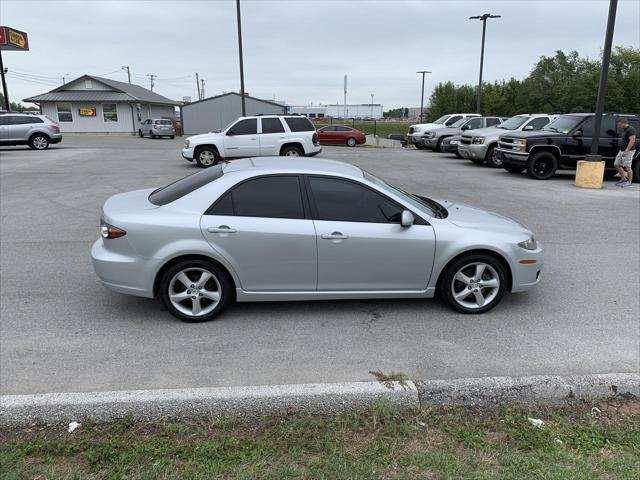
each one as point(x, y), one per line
point(459, 123)
point(420, 203)
point(442, 119)
point(514, 122)
point(563, 124)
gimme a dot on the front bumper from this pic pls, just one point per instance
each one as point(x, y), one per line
point(449, 147)
point(414, 138)
point(429, 142)
point(526, 275)
point(120, 272)
point(472, 150)
point(510, 157)
point(187, 153)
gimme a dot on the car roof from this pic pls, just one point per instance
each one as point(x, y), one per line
point(292, 165)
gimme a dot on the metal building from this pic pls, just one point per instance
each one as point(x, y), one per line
point(215, 113)
point(357, 110)
point(101, 105)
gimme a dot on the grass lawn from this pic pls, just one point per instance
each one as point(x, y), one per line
point(382, 128)
point(382, 442)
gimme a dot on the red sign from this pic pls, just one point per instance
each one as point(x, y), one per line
point(11, 39)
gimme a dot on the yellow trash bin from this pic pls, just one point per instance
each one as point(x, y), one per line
point(589, 174)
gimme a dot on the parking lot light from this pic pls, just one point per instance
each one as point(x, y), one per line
point(483, 18)
point(422, 97)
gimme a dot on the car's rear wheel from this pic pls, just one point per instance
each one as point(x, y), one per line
point(207, 157)
point(172, 137)
point(473, 283)
point(351, 142)
point(513, 168)
point(195, 290)
point(542, 165)
point(39, 142)
point(491, 158)
point(291, 152)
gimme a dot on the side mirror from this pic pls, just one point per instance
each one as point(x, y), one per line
point(407, 218)
point(577, 133)
point(230, 133)
point(611, 133)
point(465, 127)
point(528, 127)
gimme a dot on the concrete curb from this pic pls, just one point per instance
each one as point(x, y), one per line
point(56, 408)
point(53, 408)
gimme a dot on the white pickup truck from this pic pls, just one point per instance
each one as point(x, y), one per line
point(256, 136)
point(414, 137)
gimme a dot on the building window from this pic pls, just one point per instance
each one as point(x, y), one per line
point(64, 112)
point(88, 84)
point(110, 112)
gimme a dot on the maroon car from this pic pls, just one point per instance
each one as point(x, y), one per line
point(341, 135)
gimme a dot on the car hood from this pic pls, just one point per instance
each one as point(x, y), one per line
point(204, 136)
point(480, 132)
point(533, 134)
point(426, 126)
point(446, 130)
point(466, 216)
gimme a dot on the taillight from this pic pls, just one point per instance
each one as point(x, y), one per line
point(314, 138)
point(109, 231)
point(155, 126)
point(55, 125)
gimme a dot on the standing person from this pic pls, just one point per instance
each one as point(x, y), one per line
point(625, 155)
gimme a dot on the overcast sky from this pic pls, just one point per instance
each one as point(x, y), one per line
point(299, 50)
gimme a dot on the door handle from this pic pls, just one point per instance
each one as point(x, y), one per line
point(221, 229)
point(334, 236)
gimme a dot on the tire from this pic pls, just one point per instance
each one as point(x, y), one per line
point(457, 155)
point(291, 151)
point(635, 168)
point(491, 159)
point(420, 147)
point(151, 135)
point(140, 133)
point(207, 157)
point(351, 142)
point(39, 141)
point(477, 161)
point(542, 165)
point(211, 297)
point(513, 168)
point(452, 289)
point(439, 145)
point(172, 137)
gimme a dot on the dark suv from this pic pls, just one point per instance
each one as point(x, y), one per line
point(37, 131)
point(563, 142)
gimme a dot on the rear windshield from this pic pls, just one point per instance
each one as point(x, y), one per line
point(162, 122)
point(184, 186)
point(299, 124)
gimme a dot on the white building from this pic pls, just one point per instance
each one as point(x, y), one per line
point(101, 105)
point(357, 110)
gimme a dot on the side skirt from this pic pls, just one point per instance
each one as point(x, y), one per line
point(244, 296)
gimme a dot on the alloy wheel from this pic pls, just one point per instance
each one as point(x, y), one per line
point(195, 292)
point(40, 143)
point(475, 285)
point(207, 157)
point(542, 167)
point(292, 153)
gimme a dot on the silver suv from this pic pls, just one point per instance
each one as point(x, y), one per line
point(37, 131)
point(479, 145)
point(157, 127)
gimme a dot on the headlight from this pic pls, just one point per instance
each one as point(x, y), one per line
point(478, 140)
point(187, 142)
point(523, 145)
point(529, 244)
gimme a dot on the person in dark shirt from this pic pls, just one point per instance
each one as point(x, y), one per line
point(625, 155)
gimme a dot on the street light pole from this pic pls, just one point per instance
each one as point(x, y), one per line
point(484, 30)
point(372, 105)
point(422, 97)
point(604, 74)
point(244, 110)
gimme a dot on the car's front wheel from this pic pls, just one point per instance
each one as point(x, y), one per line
point(492, 159)
point(195, 290)
point(473, 283)
point(351, 142)
point(207, 157)
point(39, 142)
point(542, 165)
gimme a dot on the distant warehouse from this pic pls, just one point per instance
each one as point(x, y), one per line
point(357, 110)
point(215, 113)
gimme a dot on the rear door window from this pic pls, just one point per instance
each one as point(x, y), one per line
point(272, 125)
point(272, 197)
point(299, 124)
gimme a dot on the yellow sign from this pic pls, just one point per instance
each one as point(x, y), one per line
point(17, 38)
point(11, 39)
point(87, 112)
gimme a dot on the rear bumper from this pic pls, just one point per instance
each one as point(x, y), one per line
point(163, 133)
point(120, 273)
point(56, 138)
point(315, 152)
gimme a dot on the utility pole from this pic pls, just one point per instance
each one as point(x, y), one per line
point(7, 105)
point(604, 75)
point(151, 77)
point(126, 67)
point(423, 72)
point(198, 87)
point(64, 78)
point(244, 110)
point(345, 98)
point(484, 29)
point(372, 105)
point(202, 82)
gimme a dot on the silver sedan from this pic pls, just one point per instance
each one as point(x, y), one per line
point(282, 229)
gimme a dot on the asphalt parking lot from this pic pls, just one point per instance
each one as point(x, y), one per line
point(61, 331)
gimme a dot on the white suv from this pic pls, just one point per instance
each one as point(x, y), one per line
point(416, 131)
point(257, 136)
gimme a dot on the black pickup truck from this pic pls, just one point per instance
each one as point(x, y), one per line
point(561, 143)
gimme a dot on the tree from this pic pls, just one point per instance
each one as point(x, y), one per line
point(17, 107)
